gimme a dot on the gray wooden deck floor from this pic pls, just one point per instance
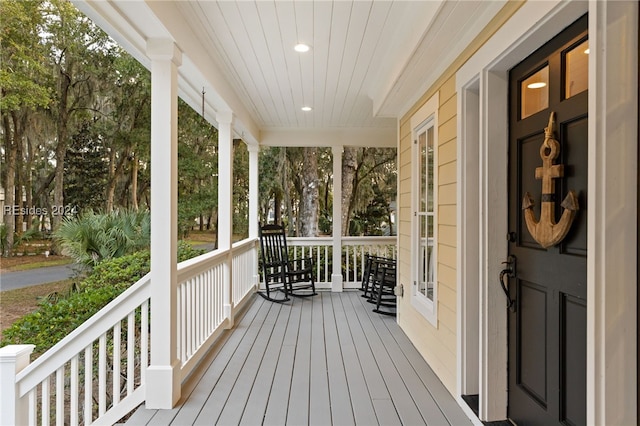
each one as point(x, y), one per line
point(325, 360)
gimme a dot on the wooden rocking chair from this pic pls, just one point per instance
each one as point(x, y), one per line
point(279, 273)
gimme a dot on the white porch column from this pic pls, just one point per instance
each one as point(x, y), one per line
point(253, 204)
point(225, 204)
point(14, 409)
point(612, 205)
point(336, 276)
point(163, 385)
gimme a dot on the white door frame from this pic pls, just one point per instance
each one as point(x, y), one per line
point(482, 87)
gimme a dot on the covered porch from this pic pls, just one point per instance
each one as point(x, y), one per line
point(322, 360)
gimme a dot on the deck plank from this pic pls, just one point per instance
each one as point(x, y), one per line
point(400, 395)
point(298, 412)
point(278, 404)
point(319, 405)
point(219, 396)
point(237, 401)
point(193, 403)
point(323, 360)
point(420, 393)
point(341, 409)
point(447, 404)
point(375, 383)
point(363, 411)
point(256, 407)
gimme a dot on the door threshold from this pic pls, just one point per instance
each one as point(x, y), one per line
point(473, 402)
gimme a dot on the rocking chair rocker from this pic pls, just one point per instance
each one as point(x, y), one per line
point(280, 274)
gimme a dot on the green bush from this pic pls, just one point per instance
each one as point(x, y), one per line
point(56, 318)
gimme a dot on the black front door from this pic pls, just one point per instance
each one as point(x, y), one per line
point(547, 324)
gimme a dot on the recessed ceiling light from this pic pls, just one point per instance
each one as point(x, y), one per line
point(306, 108)
point(301, 48)
point(536, 85)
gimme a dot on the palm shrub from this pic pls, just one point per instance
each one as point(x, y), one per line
point(93, 237)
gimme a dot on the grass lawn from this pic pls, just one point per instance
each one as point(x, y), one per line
point(23, 263)
point(16, 303)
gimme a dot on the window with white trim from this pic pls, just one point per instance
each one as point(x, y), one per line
point(424, 192)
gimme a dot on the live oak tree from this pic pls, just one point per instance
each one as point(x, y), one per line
point(369, 179)
point(79, 52)
point(309, 200)
point(23, 79)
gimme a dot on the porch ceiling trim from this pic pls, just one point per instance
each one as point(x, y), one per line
point(385, 137)
point(450, 32)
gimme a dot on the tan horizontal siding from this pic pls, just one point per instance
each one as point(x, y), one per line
point(438, 344)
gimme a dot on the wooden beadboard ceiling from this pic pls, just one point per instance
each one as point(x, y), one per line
point(253, 43)
point(370, 60)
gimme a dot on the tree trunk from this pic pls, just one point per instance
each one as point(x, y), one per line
point(349, 168)
point(284, 166)
point(115, 172)
point(61, 149)
point(29, 183)
point(310, 195)
point(111, 182)
point(19, 179)
point(277, 208)
point(9, 185)
point(134, 182)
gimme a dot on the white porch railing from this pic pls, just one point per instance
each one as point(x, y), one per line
point(353, 256)
point(68, 384)
point(201, 302)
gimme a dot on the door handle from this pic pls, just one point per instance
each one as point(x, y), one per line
point(510, 272)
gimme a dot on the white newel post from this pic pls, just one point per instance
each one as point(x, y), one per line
point(13, 409)
point(163, 387)
point(253, 203)
point(225, 205)
point(336, 275)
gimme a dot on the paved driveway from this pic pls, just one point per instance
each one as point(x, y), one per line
point(20, 279)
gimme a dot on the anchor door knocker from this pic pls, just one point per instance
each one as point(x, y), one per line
point(546, 231)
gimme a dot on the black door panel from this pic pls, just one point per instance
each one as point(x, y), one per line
point(547, 330)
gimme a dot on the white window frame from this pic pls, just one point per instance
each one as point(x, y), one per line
point(426, 117)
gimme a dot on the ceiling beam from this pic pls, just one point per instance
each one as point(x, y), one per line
point(380, 137)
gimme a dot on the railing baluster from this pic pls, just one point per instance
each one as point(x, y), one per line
point(182, 326)
point(195, 283)
point(117, 330)
point(346, 264)
point(326, 263)
point(45, 401)
point(88, 385)
point(33, 406)
point(131, 351)
point(144, 342)
point(202, 303)
point(60, 396)
point(74, 392)
point(102, 374)
point(189, 320)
